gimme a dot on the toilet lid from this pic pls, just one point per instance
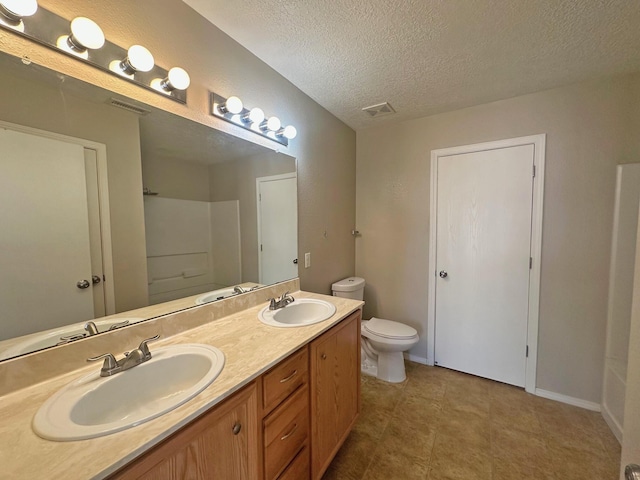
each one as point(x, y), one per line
point(389, 329)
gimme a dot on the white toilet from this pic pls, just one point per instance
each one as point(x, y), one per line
point(383, 341)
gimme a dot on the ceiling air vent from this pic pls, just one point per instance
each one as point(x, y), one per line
point(379, 110)
point(127, 106)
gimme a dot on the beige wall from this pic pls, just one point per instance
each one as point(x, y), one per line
point(175, 178)
point(589, 131)
point(36, 105)
point(236, 180)
point(177, 35)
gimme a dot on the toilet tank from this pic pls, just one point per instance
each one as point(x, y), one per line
point(352, 287)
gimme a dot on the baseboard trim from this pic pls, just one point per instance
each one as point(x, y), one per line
point(612, 423)
point(576, 402)
point(416, 358)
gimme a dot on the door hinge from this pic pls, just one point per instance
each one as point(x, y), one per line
point(534, 170)
point(527, 353)
point(260, 197)
point(530, 263)
point(260, 247)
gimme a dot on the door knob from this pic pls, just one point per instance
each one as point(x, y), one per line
point(632, 472)
point(96, 279)
point(443, 274)
point(82, 284)
point(295, 261)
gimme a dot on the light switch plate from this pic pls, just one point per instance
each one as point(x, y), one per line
point(307, 260)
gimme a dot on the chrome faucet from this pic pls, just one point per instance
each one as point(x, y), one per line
point(111, 366)
point(92, 328)
point(282, 302)
point(239, 289)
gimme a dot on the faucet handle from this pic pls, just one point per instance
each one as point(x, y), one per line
point(272, 304)
point(109, 361)
point(286, 299)
point(144, 348)
point(118, 325)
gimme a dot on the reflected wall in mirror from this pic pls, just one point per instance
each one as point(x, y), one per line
point(81, 242)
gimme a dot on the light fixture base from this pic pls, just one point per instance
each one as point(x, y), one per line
point(237, 119)
point(10, 17)
point(45, 27)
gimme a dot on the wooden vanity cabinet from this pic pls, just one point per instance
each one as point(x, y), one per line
point(335, 390)
point(222, 444)
point(286, 425)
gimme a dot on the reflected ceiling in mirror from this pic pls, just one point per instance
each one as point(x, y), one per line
point(219, 216)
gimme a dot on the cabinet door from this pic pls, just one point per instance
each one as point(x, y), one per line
point(220, 445)
point(335, 390)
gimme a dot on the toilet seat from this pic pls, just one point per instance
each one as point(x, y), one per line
point(389, 329)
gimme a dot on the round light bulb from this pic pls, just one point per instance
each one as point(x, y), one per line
point(233, 105)
point(140, 58)
point(256, 115)
point(179, 78)
point(86, 33)
point(20, 8)
point(290, 132)
point(273, 124)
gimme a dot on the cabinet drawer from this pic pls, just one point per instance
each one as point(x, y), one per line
point(285, 432)
point(299, 468)
point(285, 378)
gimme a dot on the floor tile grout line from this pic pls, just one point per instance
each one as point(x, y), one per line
point(372, 456)
point(538, 423)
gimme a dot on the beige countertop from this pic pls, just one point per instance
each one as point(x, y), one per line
point(8, 347)
point(250, 348)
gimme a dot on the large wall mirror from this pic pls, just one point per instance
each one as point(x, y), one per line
point(114, 212)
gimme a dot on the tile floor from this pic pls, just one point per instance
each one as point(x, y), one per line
point(440, 424)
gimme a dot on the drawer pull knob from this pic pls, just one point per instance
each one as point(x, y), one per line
point(287, 435)
point(236, 428)
point(324, 356)
point(284, 380)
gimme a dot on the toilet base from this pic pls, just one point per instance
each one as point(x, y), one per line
point(388, 367)
point(391, 367)
point(368, 366)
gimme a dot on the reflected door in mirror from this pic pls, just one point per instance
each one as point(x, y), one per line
point(277, 227)
point(45, 248)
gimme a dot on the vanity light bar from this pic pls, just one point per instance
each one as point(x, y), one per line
point(83, 39)
point(233, 110)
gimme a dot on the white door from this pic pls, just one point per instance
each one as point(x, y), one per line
point(631, 428)
point(95, 232)
point(483, 242)
point(44, 240)
point(277, 228)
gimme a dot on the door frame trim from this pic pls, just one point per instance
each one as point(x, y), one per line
point(538, 142)
point(103, 198)
point(260, 180)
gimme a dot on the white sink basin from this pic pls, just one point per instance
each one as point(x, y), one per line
point(215, 295)
point(304, 311)
point(93, 406)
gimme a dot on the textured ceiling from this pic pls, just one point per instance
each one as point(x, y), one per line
point(429, 56)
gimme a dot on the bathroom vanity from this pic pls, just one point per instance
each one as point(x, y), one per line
point(281, 408)
point(287, 424)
